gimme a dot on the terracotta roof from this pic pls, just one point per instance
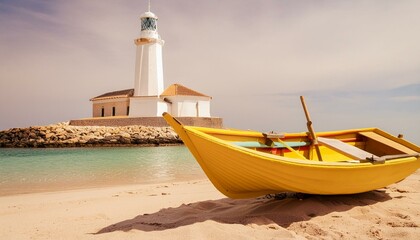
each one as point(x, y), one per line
point(173, 90)
point(115, 94)
point(178, 89)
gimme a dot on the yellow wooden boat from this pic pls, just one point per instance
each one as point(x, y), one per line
point(245, 164)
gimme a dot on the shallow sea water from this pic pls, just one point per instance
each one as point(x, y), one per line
point(51, 169)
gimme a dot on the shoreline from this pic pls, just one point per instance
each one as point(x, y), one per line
point(60, 188)
point(196, 210)
point(93, 188)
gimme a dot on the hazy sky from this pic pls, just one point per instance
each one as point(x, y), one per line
point(356, 62)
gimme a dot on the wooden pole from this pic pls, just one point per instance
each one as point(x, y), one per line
point(310, 128)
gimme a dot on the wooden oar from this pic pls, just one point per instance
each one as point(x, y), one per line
point(311, 129)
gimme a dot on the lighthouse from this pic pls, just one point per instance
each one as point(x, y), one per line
point(148, 80)
point(145, 103)
point(148, 74)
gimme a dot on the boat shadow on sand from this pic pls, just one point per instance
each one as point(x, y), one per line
point(260, 211)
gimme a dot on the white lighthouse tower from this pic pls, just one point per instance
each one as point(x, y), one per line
point(148, 78)
point(149, 69)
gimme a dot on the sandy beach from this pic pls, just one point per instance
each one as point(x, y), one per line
point(196, 210)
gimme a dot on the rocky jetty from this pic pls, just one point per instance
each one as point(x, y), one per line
point(64, 135)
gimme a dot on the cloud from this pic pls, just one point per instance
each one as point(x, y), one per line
point(407, 99)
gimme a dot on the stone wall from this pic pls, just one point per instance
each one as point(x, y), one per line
point(148, 121)
point(64, 135)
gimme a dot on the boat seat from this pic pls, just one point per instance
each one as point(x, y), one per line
point(345, 149)
point(376, 137)
point(256, 144)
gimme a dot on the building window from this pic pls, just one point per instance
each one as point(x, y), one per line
point(113, 111)
point(128, 110)
point(103, 112)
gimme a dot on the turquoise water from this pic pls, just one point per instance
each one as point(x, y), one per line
point(35, 170)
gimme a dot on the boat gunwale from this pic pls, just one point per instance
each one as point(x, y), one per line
point(254, 133)
point(296, 161)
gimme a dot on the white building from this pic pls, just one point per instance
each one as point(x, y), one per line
point(148, 98)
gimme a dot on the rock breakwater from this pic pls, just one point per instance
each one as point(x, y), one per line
point(64, 135)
